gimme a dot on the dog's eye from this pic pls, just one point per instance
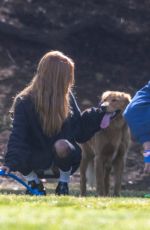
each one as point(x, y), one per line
point(114, 100)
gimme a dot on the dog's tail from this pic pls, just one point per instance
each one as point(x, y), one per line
point(90, 175)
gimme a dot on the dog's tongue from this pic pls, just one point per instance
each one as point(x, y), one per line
point(105, 121)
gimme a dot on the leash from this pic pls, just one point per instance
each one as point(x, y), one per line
point(18, 179)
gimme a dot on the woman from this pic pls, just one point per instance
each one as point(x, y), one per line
point(47, 123)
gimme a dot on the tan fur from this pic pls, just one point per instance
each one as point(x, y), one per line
point(108, 148)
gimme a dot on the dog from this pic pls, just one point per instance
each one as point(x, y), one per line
point(108, 148)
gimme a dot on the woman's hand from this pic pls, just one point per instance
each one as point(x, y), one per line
point(146, 154)
point(5, 168)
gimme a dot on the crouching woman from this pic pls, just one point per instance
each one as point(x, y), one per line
point(47, 124)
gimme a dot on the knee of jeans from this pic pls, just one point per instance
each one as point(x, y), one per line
point(63, 148)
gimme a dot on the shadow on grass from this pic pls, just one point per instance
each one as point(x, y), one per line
point(75, 192)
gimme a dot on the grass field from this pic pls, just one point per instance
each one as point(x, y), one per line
point(51, 212)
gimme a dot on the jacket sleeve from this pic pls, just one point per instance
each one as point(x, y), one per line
point(87, 123)
point(17, 153)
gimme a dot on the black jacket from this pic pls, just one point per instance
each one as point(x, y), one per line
point(28, 145)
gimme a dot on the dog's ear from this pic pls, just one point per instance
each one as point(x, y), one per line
point(127, 98)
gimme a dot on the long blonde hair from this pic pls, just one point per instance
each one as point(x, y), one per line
point(50, 89)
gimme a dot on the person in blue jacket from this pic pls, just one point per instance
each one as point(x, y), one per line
point(137, 115)
point(48, 124)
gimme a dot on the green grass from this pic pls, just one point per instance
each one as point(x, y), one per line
point(70, 213)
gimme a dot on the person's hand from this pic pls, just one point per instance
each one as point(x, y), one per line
point(147, 168)
point(5, 168)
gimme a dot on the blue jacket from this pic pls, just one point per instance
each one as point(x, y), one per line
point(137, 114)
point(28, 145)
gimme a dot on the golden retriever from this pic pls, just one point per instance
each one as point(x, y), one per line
point(108, 148)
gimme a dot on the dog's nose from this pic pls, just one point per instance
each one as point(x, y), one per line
point(103, 107)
